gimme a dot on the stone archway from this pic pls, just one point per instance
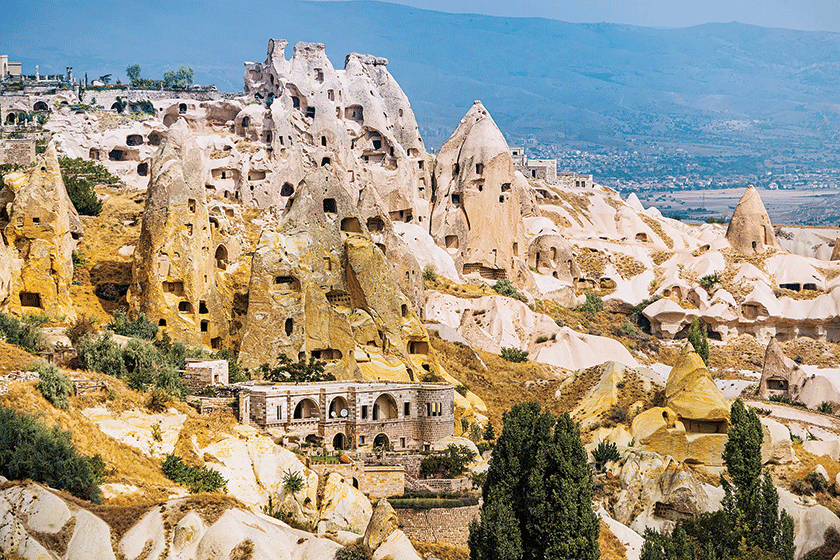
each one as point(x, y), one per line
point(339, 442)
point(381, 441)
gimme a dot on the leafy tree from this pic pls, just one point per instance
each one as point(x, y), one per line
point(594, 303)
point(54, 385)
point(101, 354)
point(138, 326)
point(287, 371)
point(489, 432)
point(538, 494)
point(179, 79)
point(42, 118)
point(105, 78)
point(514, 355)
point(133, 73)
point(30, 450)
point(698, 337)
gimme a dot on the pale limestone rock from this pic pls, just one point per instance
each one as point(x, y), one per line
point(776, 447)
point(383, 522)
point(477, 210)
point(781, 375)
point(343, 507)
point(750, 231)
point(139, 429)
point(396, 546)
point(42, 231)
point(830, 448)
point(149, 527)
point(820, 470)
point(91, 539)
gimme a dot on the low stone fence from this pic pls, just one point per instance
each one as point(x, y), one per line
point(206, 405)
point(449, 525)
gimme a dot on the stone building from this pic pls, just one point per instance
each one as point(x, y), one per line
point(541, 170)
point(346, 415)
point(574, 180)
point(199, 374)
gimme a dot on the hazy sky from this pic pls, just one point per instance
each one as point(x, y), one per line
point(823, 15)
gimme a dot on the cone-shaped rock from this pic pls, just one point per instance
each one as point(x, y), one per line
point(781, 375)
point(176, 262)
point(477, 214)
point(835, 253)
point(691, 392)
point(43, 228)
point(750, 231)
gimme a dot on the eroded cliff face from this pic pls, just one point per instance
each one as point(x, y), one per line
point(477, 214)
point(322, 287)
point(178, 260)
point(42, 230)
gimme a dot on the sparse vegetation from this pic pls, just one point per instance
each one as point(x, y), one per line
point(541, 339)
point(462, 390)
point(605, 452)
point(784, 399)
point(709, 281)
point(196, 479)
point(826, 408)
point(353, 552)
point(54, 385)
point(514, 355)
point(31, 450)
point(84, 325)
point(137, 326)
point(302, 371)
point(505, 288)
point(26, 333)
point(593, 304)
point(293, 481)
point(80, 177)
point(809, 484)
point(429, 273)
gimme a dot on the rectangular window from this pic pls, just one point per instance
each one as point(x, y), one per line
point(361, 440)
point(402, 442)
point(428, 409)
point(407, 409)
point(278, 412)
point(364, 412)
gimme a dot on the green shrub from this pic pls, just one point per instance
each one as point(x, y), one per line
point(435, 503)
point(809, 484)
point(136, 326)
point(605, 452)
point(54, 385)
point(514, 355)
point(293, 481)
point(79, 260)
point(353, 552)
point(698, 337)
point(102, 354)
point(196, 479)
point(429, 273)
point(159, 400)
point(30, 450)
point(628, 329)
point(84, 325)
point(449, 464)
point(287, 371)
point(505, 288)
point(593, 304)
point(826, 407)
point(709, 281)
point(26, 333)
point(784, 399)
point(541, 339)
point(462, 390)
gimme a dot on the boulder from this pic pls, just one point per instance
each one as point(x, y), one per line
point(343, 507)
point(828, 448)
point(750, 231)
point(382, 524)
point(776, 446)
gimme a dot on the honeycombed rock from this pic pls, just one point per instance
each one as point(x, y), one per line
point(781, 375)
point(42, 231)
point(477, 214)
point(178, 260)
point(750, 231)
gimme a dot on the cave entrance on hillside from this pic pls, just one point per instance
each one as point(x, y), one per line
point(30, 299)
point(777, 385)
point(221, 257)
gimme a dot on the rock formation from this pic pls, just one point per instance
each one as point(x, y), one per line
point(693, 423)
point(178, 262)
point(835, 251)
point(43, 228)
point(322, 288)
point(781, 375)
point(750, 231)
point(476, 213)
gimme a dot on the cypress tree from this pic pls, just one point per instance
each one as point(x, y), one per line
point(538, 494)
point(698, 337)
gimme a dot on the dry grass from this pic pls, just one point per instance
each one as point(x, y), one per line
point(592, 263)
point(441, 551)
point(611, 548)
point(741, 353)
point(660, 257)
point(13, 358)
point(470, 291)
point(813, 352)
point(558, 219)
point(784, 475)
point(206, 429)
point(657, 229)
point(627, 266)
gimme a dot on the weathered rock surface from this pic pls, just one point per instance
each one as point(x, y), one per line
point(750, 230)
point(41, 234)
point(781, 375)
point(776, 446)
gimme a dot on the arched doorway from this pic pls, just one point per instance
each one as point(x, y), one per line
point(40, 106)
point(339, 442)
point(381, 441)
point(384, 408)
point(221, 257)
point(306, 409)
point(338, 408)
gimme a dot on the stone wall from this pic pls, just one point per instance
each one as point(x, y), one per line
point(20, 152)
point(374, 481)
point(449, 525)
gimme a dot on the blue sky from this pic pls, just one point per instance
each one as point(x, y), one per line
point(821, 15)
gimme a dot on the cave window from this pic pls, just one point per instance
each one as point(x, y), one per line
point(310, 112)
point(30, 299)
point(162, 323)
point(133, 140)
point(479, 168)
point(364, 417)
point(246, 122)
point(36, 220)
point(202, 307)
point(319, 75)
point(329, 205)
point(93, 154)
point(287, 190)
point(456, 199)
point(143, 169)
point(288, 326)
point(268, 138)
point(182, 108)
point(754, 245)
point(185, 307)
point(325, 161)
point(501, 198)
point(323, 140)
point(189, 229)
point(205, 325)
point(351, 225)
point(216, 343)
point(377, 144)
point(221, 257)
point(406, 409)
point(375, 224)
point(404, 310)
point(331, 96)
point(418, 347)
point(451, 241)
point(191, 204)
point(516, 249)
point(420, 165)
point(456, 169)
point(505, 187)
point(289, 283)
point(116, 155)
point(154, 139)
point(327, 263)
point(295, 102)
